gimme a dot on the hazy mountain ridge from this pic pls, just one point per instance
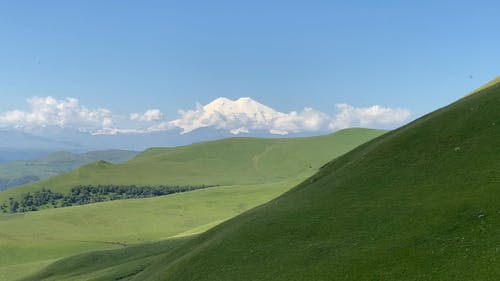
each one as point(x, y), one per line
point(25, 171)
point(221, 162)
point(220, 118)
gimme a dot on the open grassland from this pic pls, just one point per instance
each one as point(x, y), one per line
point(28, 241)
point(419, 203)
point(250, 172)
point(224, 162)
point(120, 264)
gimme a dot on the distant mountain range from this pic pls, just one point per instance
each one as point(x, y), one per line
point(16, 145)
point(25, 171)
point(220, 118)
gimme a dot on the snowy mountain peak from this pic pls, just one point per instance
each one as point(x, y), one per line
point(219, 102)
point(240, 116)
point(246, 115)
point(69, 120)
point(247, 100)
point(244, 105)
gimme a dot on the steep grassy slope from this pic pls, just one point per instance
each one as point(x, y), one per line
point(22, 172)
point(224, 162)
point(419, 203)
point(487, 85)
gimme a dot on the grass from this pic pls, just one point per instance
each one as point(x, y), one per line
point(10, 272)
point(487, 85)
point(224, 162)
point(121, 264)
point(21, 172)
point(35, 237)
point(418, 203)
point(29, 241)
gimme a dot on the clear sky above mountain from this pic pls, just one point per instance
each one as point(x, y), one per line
point(132, 56)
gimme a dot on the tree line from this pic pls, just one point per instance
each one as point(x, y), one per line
point(86, 194)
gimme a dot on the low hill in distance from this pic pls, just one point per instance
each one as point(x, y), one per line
point(419, 203)
point(224, 162)
point(21, 172)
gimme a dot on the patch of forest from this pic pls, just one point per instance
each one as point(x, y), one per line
point(86, 194)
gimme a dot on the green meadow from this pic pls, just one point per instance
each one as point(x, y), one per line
point(248, 172)
point(224, 162)
point(29, 240)
point(418, 203)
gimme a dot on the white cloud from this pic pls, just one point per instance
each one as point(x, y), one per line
point(48, 111)
point(237, 117)
point(245, 115)
point(160, 127)
point(148, 116)
point(308, 120)
point(374, 116)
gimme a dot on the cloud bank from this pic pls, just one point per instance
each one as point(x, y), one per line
point(373, 116)
point(66, 113)
point(240, 116)
point(148, 116)
point(245, 115)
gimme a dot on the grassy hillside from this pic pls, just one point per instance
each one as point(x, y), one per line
point(419, 203)
point(31, 240)
point(487, 85)
point(22, 172)
point(224, 162)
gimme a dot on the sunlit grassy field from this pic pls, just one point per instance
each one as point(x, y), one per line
point(248, 172)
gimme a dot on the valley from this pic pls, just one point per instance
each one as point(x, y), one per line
point(247, 172)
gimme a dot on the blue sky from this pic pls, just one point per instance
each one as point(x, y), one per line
point(130, 56)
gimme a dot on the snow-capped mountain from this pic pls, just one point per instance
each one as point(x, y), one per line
point(245, 115)
point(53, 124)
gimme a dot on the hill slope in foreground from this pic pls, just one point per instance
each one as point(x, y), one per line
point(25, 171)
point(28, 241)
point(419, 203)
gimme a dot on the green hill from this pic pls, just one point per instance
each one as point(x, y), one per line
point(21, 172)
point(29, 241)
point(487, 85)
point(419, 203)
point(224, 162)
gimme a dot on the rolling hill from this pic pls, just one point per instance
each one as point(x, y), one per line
point(249, 172)
point(21, 172)
point(224, 162)
point(30, 240)
point(418, 203)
